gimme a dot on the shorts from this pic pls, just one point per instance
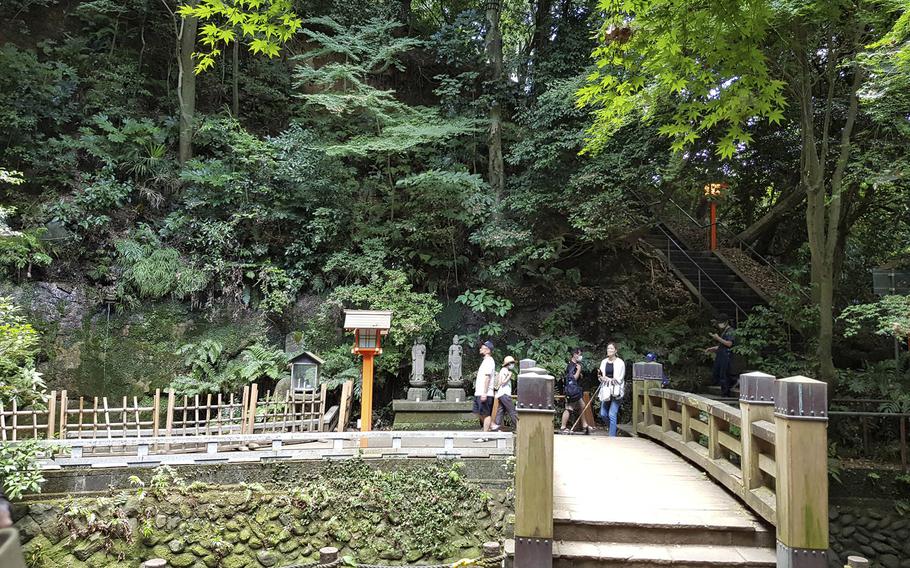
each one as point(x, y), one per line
point(575, 406)
point(483, 408)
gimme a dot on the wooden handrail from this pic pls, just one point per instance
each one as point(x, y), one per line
point(774, 458)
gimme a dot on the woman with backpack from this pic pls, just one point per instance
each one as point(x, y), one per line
point(573, 392)
point(612, 376)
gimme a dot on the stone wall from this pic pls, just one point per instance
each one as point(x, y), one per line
point(426, 514)
point(873, 530)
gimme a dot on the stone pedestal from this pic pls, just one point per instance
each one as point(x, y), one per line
point(433, 415)
point(456, 395)
point(417, 392)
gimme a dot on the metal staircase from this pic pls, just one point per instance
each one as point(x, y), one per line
point(705, 275)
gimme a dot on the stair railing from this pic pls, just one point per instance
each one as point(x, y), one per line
point(670, 239)
point(741, 243)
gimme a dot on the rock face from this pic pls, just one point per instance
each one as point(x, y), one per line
point(878, 535)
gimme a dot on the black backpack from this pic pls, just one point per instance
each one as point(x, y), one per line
point(573, 390)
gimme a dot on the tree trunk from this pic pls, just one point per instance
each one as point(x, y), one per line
point(754, 232)
point(186, 85)
point(539, 42)
point(493, 45)
point(235, 81)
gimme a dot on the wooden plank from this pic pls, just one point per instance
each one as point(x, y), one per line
point(208, 414)
point(244, 407)
point(2, 422)
point(138, 425)
point(95, 419)
point(107, 417)
point(156, 412)
point(322, 396)
point(713, 438)
point(51, 415)
point(699, 426)
point(534, 476)
point(169, 417)
point(63, 418)
point(767, 465)
point(251, 413)
point(343, 405)
point(15, 420)
point(802, 483)
point(729, 442)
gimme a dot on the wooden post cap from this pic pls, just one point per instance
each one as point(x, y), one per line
point(647, 371)
point(154, 563)
point(490, 549)
point(535, 390)
point(757, 388)
point(526, 364)
point(857, 562)
point(801, 398)
point(328, 554)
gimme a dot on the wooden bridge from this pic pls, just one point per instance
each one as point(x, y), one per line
point(700, 484)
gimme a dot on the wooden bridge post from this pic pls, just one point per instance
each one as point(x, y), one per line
point(534, 468)
point(756, 402)
point(801, 444)
point(645, 376)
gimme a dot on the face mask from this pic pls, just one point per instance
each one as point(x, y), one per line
point(511, 367)
point(580, 358)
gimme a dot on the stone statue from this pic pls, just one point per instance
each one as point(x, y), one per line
point(454, 390)
point(418, 358)
point(455, 353)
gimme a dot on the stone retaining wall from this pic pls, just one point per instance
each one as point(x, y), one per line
point(441, 517)
point(877, 533)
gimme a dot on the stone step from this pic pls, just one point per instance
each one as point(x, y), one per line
point(574, 554)
point(735, 532)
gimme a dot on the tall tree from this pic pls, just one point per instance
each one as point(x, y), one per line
point(713, 62)
point(493, 46)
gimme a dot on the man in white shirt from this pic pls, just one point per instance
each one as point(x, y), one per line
point(483, 386)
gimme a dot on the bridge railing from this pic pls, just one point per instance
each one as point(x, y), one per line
point(771, 451)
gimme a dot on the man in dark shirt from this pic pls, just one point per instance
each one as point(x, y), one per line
point(572, 389)
point(724, 354)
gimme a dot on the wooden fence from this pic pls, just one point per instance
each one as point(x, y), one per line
point(167, 414)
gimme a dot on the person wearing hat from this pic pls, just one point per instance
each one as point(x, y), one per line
point(483, 386)
point(504, 395)
point(724, 354)
point(665, 380)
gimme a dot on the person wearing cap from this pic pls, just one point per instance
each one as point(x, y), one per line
point(665, 378)
point(723, 354)
point(483, 386)
point(504, 394)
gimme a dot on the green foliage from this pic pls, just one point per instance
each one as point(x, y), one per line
point(265, 24)
point(413, 315)
point(19, 381)
point(889, 316)
point(154, 271)
point(763, 339)
point(705, 57)
point(210, 371)
point(20, 249)
point(20, 469)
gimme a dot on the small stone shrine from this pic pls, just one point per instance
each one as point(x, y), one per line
point(418, 413)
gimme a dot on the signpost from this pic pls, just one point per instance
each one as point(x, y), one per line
point(368, 326)
point(712, 193)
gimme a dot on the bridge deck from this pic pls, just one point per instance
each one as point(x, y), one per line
point(634, 481)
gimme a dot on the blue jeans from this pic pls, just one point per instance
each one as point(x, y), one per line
point(610, 416)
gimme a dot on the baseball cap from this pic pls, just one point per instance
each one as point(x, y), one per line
point(488, 344)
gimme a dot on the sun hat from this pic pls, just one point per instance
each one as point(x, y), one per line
point(507, 360)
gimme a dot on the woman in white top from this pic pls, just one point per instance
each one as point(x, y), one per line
point(612, 375)
point(504, 394)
